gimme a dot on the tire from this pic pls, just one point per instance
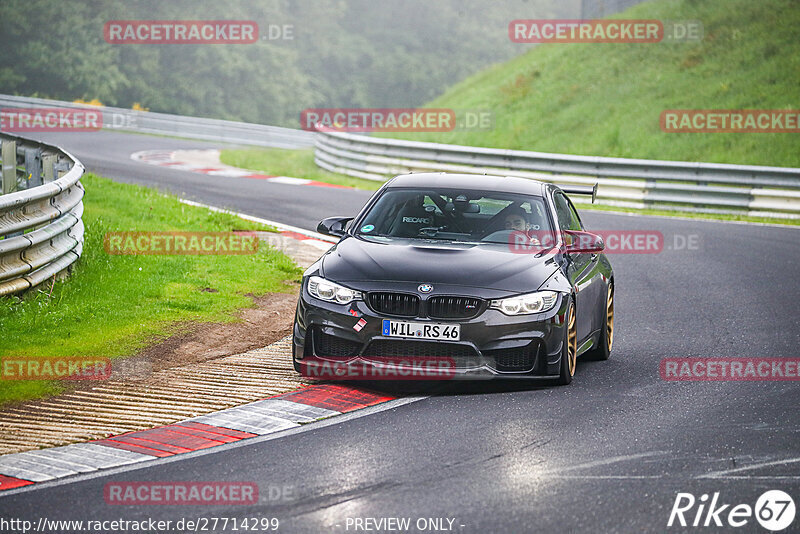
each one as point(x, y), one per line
point(569, 349)
point(606, 340)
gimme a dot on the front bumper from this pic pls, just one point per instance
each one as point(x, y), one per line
point(346, 341)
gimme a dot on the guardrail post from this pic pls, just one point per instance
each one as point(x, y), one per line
point(9, 178)
point(33, 167)
point(49, 167)
point(62, 168)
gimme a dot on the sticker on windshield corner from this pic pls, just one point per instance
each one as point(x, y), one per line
point(367, 228)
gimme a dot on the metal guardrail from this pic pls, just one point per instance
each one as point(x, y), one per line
point(41, 231)
point(632, 183)
point(149, 122)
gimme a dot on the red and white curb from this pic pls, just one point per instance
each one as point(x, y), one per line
point(259, 418)
point(207, 162)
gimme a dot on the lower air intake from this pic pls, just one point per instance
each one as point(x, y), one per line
point(516, 360)
point(327, 345)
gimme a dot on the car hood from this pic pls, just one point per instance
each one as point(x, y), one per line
point(491, 266)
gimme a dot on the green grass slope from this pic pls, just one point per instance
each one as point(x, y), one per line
point(113, 306)
point(606, 99)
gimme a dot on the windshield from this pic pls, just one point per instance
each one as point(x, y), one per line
point(454, 215)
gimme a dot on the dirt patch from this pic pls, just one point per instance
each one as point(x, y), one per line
point(268, 320)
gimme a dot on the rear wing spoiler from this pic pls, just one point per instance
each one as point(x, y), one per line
point(580, 190)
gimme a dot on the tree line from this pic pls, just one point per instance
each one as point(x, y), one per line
point(310, 53)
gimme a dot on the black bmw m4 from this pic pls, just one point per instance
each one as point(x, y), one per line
point(482, 276)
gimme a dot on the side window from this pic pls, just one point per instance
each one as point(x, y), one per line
point(564, 212)
point(576, 220)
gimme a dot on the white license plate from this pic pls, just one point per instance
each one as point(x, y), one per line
point(451, 332)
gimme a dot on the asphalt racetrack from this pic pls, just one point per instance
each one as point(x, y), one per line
point(609, 453)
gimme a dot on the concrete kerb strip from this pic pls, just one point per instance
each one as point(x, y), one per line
point(258, 418)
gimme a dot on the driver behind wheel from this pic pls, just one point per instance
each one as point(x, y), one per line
point(517, 219)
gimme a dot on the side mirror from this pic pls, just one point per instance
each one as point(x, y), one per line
point(575, 242)
point(333, 226)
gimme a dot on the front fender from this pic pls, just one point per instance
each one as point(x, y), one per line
point(557, 282)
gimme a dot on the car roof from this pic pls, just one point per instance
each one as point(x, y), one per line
point(502, 184)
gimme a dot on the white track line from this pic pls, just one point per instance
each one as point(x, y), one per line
point(724, 473)
point(278, 225)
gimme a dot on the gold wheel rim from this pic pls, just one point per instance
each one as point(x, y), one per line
point(572, 341)
point(610, 318)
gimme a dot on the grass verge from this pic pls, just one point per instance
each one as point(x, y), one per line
point(113, 306)
point(606, 99)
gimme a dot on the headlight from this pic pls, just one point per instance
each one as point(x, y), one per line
point(331, 291)
point(537, 302)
